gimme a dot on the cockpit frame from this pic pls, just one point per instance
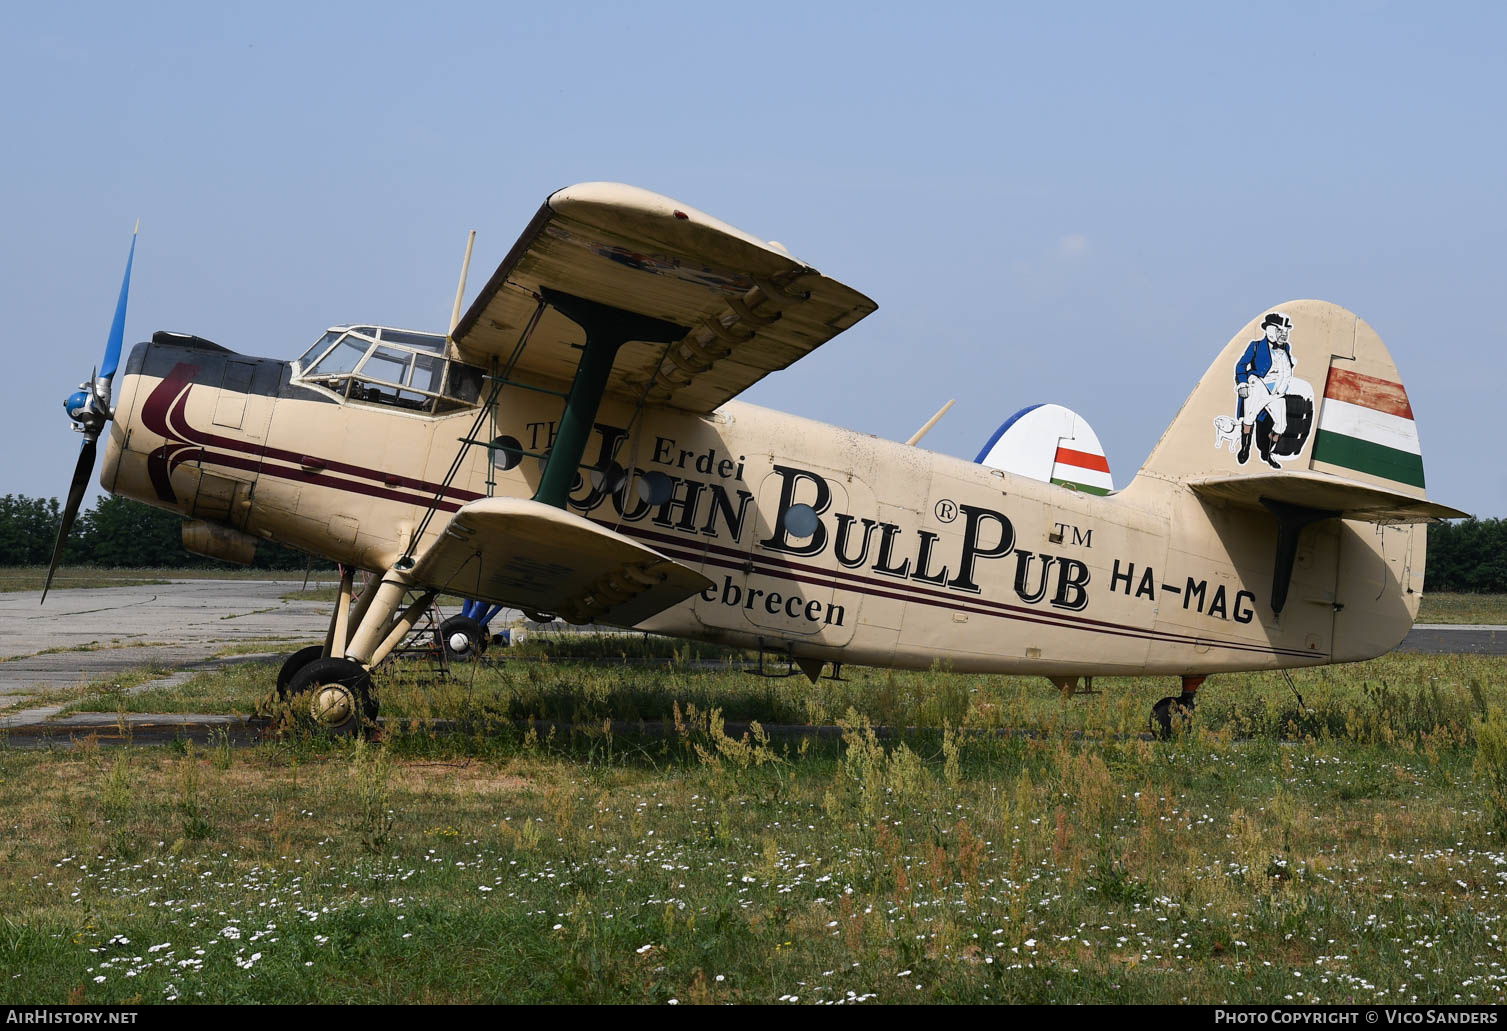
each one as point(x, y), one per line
point(396, 368)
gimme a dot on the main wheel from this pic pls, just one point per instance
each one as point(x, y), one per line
point(334, 695)
point(463, 638)
point(295, 662)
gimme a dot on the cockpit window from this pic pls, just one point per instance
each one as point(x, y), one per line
point(320, 347)
point(465, 382)
point(428, 373)
point(388, 365)
point(342, 358)
point(406, 370)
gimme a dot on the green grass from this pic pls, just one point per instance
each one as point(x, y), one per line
point(1424, 692)
point(31, 578)
point(41, 696)
point(944, 868)
point(1346, 851)
point(282, 646)
point(106, 694)
point(110, 693)
point(89, 646)
point(627, 645)
point(1463, 608)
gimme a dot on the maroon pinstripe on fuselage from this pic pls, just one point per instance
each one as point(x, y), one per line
point(783, 568)
point(164, 413)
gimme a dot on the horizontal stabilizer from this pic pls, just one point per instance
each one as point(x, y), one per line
point(1352, 499)
point(533, 556)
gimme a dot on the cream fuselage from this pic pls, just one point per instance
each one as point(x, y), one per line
point(914, 558)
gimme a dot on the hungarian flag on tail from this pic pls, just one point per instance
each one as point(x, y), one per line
point(1366, 424)
point(1081, 469)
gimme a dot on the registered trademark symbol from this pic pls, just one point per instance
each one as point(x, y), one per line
point(947, 510)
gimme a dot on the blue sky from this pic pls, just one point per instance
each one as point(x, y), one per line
point(1077, 203)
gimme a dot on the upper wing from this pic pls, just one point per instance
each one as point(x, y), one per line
point(530, 555)
point(750, 306)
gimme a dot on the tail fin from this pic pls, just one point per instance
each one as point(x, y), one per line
point(1052, 444)
point(1305, 386)
point(1303, 418)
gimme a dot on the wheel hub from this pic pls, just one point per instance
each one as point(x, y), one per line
point(333, 705)
point(460, 644)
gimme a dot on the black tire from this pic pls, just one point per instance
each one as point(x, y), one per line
point(334, 696)
point(1299, 422)
point(295, 662)
point(1165, 714)
point(474, 634)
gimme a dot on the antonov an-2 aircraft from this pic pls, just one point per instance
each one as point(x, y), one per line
point(574, 447)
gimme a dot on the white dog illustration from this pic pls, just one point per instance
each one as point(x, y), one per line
point(1225, 429)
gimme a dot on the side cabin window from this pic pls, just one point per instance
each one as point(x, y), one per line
point(395, 368)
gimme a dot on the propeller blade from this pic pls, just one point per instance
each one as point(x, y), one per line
point(76, 490)
point(118, 326)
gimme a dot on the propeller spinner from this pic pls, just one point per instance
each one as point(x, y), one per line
point(89, 408)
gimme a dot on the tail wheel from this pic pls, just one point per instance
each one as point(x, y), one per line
point(295, 662)
point(463, 638)
point(334, 695)
point(1168, 713)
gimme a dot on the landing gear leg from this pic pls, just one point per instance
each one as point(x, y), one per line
point(334, 683)
point(376, 635)
point(338, 631)
point(335, 636)
point(1180, 709)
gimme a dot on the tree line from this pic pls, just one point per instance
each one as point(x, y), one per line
point(115, 532)
point(1467, 555)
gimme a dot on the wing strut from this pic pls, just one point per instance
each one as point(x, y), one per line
point(607, 329)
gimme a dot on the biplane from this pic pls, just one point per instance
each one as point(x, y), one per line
point(574, 447)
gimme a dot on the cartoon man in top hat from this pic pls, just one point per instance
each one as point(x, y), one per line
point(1261, 378)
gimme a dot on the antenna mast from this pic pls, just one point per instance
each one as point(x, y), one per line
point(460, 289)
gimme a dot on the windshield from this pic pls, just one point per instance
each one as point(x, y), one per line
point(320, 347)
point(405, 370)
point(343, 357)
